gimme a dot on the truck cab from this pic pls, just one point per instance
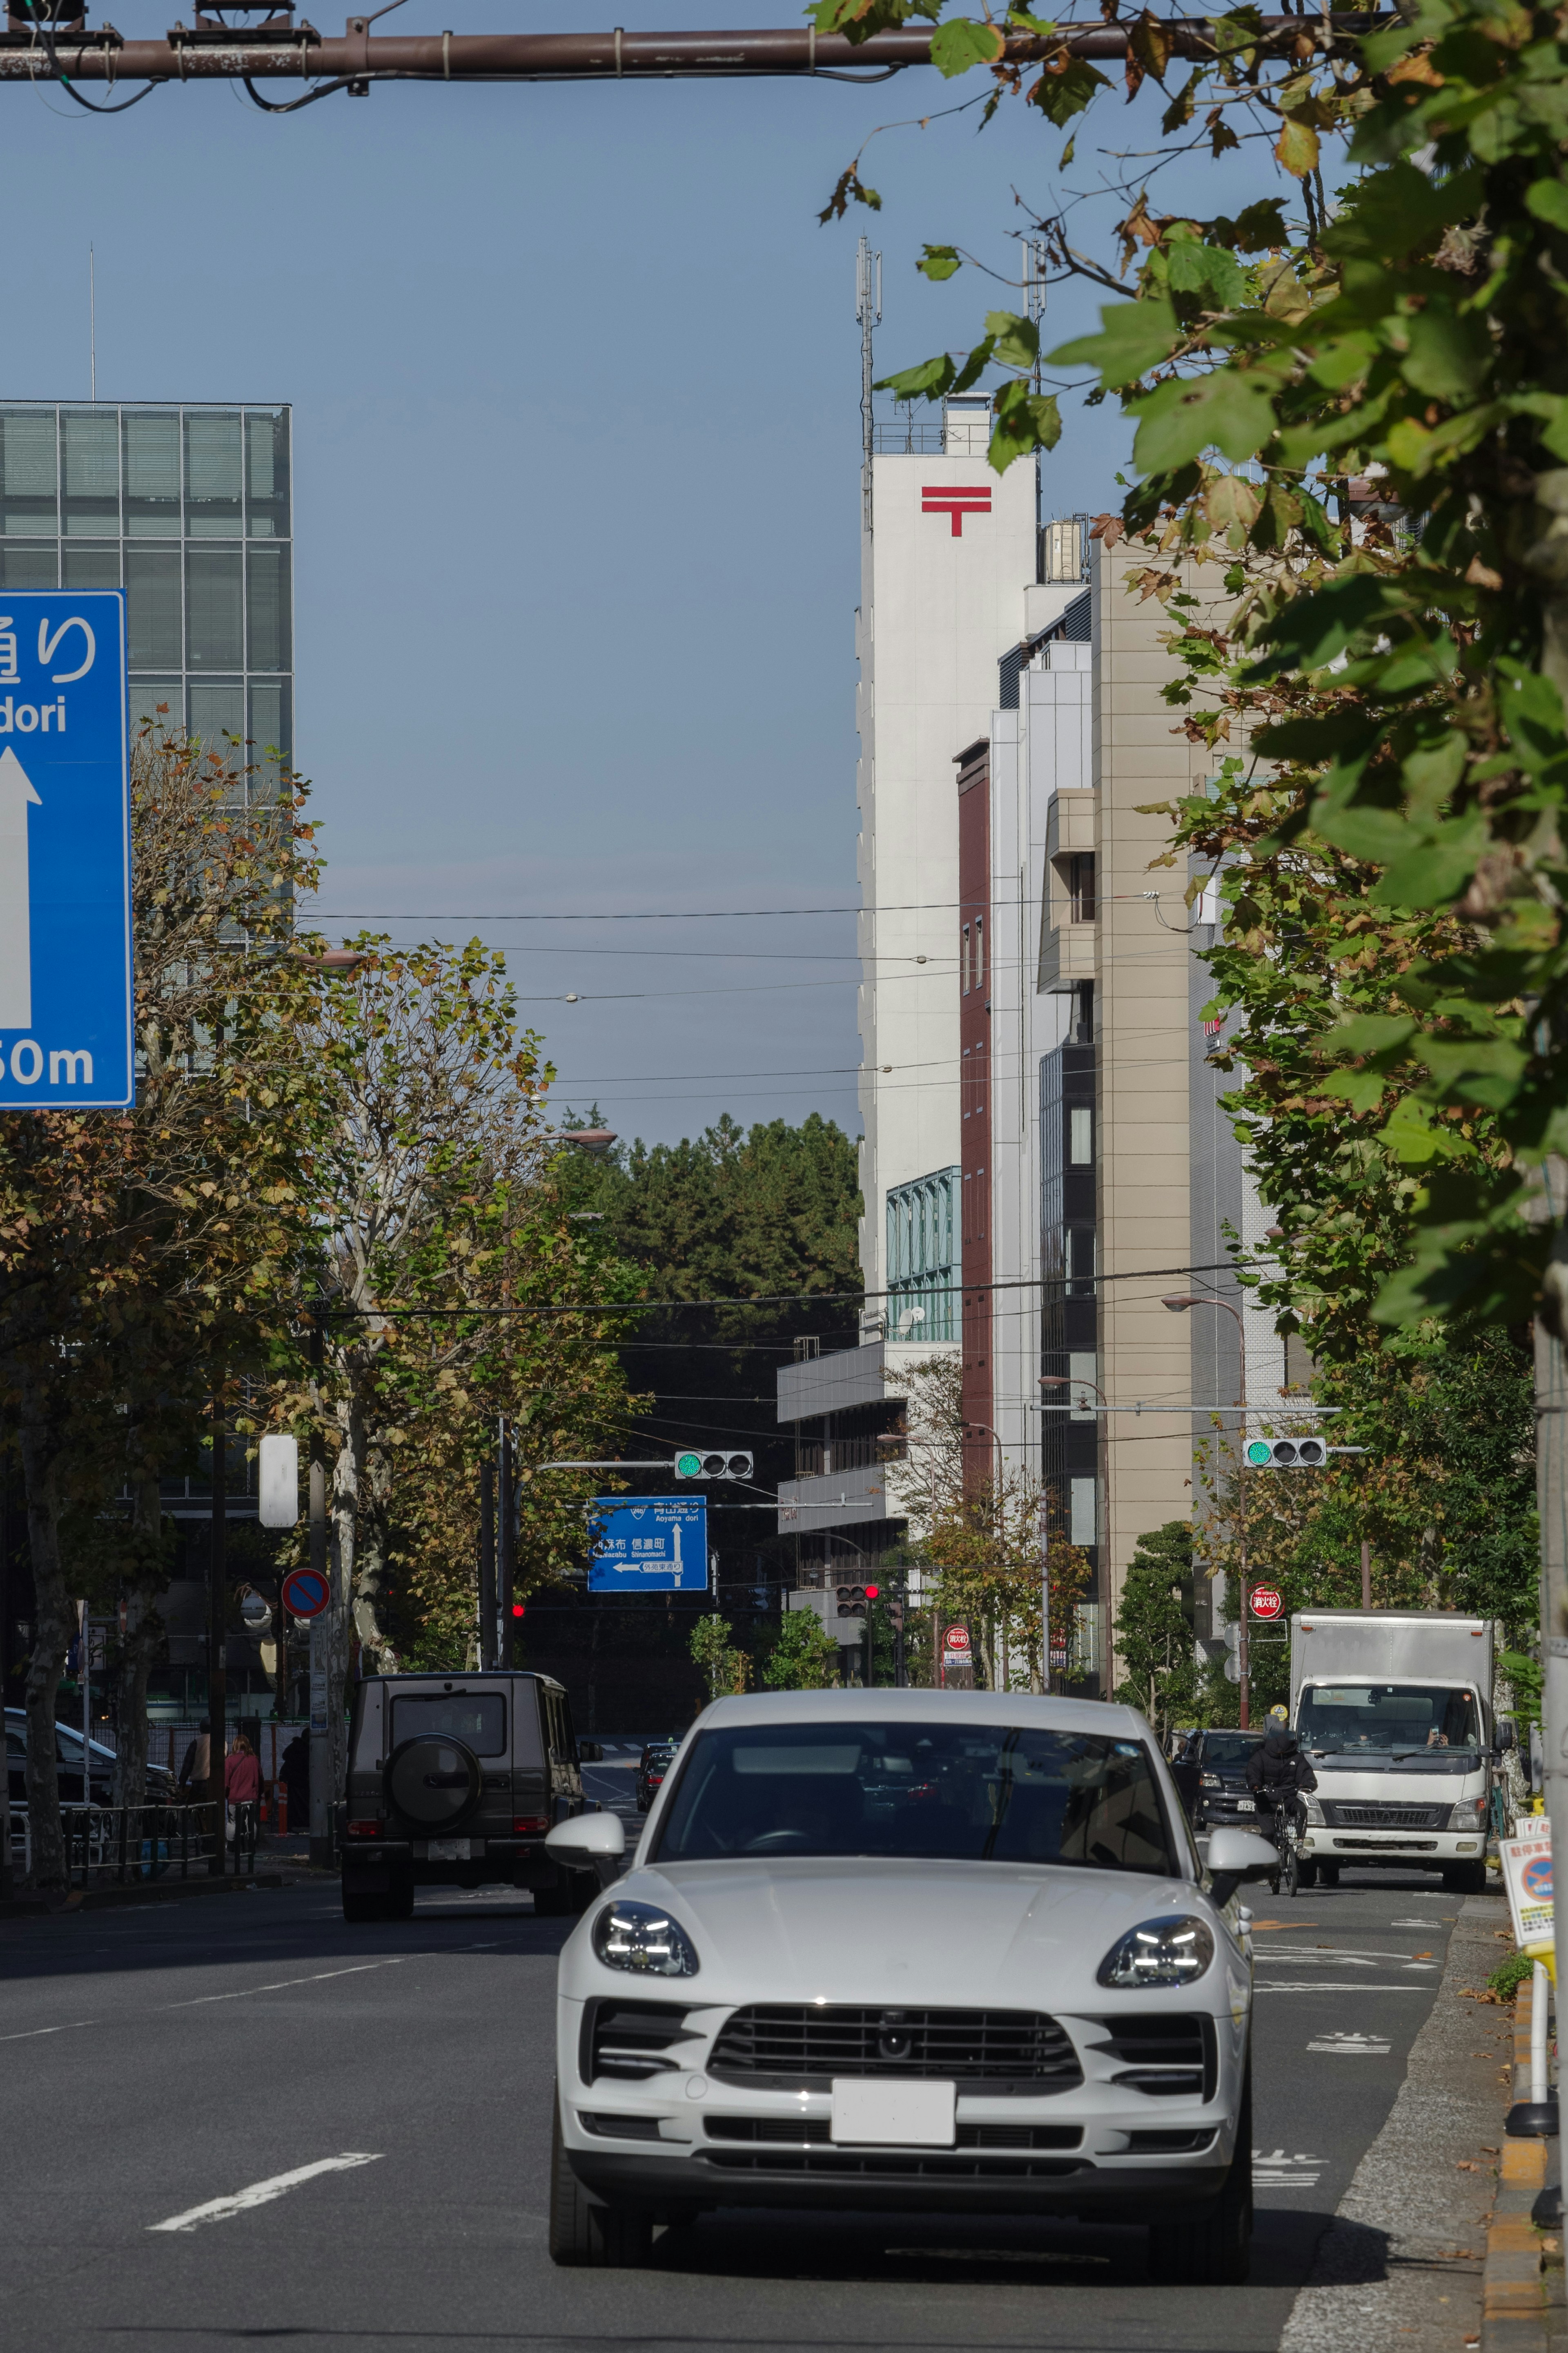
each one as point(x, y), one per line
point(1394, 1710)
point(456, 1781)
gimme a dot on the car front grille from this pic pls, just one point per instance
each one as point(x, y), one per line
point(630, 2040)
point(892, 2164)
point(785, 2044)
point(1340, 1816)
point(1170, 2056)
point(802, 2132)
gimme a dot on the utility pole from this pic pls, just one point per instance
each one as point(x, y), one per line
point(867, 313)
point(1366, 1573)
point(487, 1566)
point(505, 1549)
point(217, 1624)
point(320, 1748)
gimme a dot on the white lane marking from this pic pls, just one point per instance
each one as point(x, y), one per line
point(1336, 1985)
point(33, 2031)
point(261, 2193)
point(1417, 1923)
point(1272, 2169)
point(1354, 2046)
point(283, 1984)
point(1358, 1955)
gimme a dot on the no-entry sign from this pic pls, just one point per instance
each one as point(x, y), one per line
point(1266, 1601)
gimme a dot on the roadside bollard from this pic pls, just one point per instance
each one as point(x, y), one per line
point(1536, 2117)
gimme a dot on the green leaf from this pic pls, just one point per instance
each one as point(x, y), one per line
point(1296, 148)
point(1240, 28)
point(1362, 1089)
point(1449, 356)
point(1133, 338)
point(1256, 229)
point(1014, 342)
point(930, 380)
point(962, 43)
point(1025, 420)
point(1064, 87)
point(1225, 410)
point(1195, 268)
point(1066, 154)
point(1548, 200)
point(939, 261)
point(1409, 1136)
point(1371, 1033)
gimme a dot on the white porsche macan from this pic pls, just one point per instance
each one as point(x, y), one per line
point(916, 1951)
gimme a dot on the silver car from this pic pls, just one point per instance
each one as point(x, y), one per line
point(910, 1950)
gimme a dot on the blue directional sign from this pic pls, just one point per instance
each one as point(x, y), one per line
point(649, 1544)
point(65, 852)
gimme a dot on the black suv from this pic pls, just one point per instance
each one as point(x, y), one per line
point(454, 1781)
point(1225, 1801)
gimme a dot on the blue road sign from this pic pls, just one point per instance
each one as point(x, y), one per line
point(306, 1593)
point(649, 1544)
point(65, 851)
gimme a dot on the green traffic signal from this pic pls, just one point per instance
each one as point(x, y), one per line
point(1259, 1451)
point(688, 1466)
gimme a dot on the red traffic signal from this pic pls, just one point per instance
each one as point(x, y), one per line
point(519, 1609)
point(872, 1591)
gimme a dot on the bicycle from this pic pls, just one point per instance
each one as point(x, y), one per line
point(1295, 1872)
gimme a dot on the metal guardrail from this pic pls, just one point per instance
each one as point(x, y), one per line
point(120, 1846)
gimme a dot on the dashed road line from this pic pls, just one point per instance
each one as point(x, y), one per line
point(34, 2032)
point(283, 1984)
point(261, 2193)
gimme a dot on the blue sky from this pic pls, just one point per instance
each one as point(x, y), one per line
point(575, 381)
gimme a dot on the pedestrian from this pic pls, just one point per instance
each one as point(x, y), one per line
point(294, 1772)
point(242, 1790)
point(197, 1762)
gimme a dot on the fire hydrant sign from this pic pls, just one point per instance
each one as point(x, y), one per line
point(65, 852)
point(1527, 1876)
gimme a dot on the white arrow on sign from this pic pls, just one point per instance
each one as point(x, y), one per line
point(16, 903)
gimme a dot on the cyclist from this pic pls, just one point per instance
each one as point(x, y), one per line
point(1277, 1774)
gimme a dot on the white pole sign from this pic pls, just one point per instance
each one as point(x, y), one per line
point(65, 852)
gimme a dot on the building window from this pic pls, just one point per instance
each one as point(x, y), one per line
point(1080, 886)
point(963, 962)
point(1080, 1136)
point(924, 1256)
point(1082, 1516)
point(979, 951)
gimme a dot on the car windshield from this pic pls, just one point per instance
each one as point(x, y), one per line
point(1229, 1747)
point(924, 1791)
point(1340, 1717)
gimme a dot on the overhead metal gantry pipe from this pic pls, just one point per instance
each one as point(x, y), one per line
point(358, 58)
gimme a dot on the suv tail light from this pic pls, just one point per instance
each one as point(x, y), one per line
point(525, 1825)
point(364, 1829)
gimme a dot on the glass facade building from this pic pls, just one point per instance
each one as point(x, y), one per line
point(923, 1274)
point(187, 506)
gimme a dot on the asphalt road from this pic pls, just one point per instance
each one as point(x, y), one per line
point(154, 2060)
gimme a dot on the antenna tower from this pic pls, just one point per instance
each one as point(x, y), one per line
point(869, 313)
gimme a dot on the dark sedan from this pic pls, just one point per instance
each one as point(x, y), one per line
point(1224, 1798)
point(655, 1762)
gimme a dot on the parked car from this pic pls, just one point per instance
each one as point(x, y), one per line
point(1223, 1797)
point(453, 1782)
point(655, 1762)
point(159, 1786)
point(913, 1951)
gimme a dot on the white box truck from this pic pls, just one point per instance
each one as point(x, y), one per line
point(1394, 1709)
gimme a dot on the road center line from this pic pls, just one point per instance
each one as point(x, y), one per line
point(33, 2031)
point(261, 2193)
point(283, 1984)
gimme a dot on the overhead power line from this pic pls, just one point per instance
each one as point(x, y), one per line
point(352, 62)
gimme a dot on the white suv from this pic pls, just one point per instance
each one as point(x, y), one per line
point(910, 1950)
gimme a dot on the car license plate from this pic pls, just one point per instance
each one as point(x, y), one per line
point(451, 1851)
point(1246, 1805)
point(890, 2113)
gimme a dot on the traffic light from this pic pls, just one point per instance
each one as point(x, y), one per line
point(689, 1464)
point(1285, 1453)
point(852, 1599)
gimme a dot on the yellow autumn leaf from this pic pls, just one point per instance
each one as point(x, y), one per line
point(1296, 147)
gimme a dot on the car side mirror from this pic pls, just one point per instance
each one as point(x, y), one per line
point(1507, 1735)
point(588, 1839)
point(1235, 1856)
point(589, 1752)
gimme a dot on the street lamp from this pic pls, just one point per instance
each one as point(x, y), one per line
point(1178, 1305)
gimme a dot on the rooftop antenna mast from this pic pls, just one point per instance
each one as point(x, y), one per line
point(869, 313)
point(92, 326)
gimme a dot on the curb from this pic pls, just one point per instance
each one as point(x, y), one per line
point(153, 1891)
point(1513, 2282)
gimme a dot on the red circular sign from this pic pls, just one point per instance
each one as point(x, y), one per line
point(956, 1638)
point(306, 1593)
point(1266, 1601)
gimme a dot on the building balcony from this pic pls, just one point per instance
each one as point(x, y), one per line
point(839, 1499)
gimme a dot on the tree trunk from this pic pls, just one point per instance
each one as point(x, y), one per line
point(54, 1620)
point(347, 1471)
point(369, 1583)
point(143, 1639)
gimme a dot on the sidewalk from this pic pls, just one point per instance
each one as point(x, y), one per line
point(1522, 2308)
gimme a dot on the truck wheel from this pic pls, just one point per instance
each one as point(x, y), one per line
point(582, 2232)
point(360, 1905)
point(1465, 1878)
point(400, 1897)
point(1211, 2246)
point(1327, 1874)
point(1307, 1874)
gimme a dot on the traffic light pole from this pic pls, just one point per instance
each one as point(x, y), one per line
point(505, 1547)
point(486, 1565)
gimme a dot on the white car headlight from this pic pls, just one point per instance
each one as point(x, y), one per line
point(642, 1938)
point(1211, 1781)
point(1172, 1951)
point(1467, 1815)
point(1314, 1813)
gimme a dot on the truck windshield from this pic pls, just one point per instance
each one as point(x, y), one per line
point(1340, 1717)
point(922, 1791)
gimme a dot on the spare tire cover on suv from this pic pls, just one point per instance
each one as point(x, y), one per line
point(432, 1781)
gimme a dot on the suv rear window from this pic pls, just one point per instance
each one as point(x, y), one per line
point(478, 1718)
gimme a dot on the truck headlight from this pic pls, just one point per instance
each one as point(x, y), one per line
point(645, 1939)
point(1211, 1781)
point(1172, 1951)
point(1467, 1815)
point(1314, 1813)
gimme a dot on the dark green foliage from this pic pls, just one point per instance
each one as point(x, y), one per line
point(1154, 1628)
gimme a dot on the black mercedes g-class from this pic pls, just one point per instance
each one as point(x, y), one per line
point(455, 1781)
